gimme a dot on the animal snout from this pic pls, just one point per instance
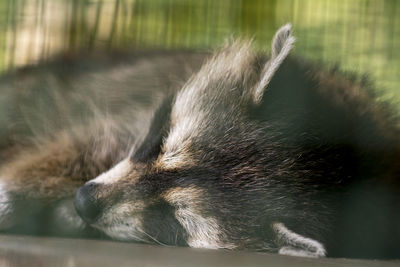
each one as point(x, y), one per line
point(86, 204)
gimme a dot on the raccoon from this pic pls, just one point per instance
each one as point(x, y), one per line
point(252, 152)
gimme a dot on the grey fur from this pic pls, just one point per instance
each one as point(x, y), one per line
point(214, 166)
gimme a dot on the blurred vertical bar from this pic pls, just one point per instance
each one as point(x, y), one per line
point(362, 34)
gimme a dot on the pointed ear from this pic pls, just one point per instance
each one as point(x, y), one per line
point(281, 46)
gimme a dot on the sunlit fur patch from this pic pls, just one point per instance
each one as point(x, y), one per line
point(225, 79)
point(179, 159)
point(124, 222)
point(203, 231)
point(120, 171)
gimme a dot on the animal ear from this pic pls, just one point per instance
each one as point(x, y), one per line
point(281, 45)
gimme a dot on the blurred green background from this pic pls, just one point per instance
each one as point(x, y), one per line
point(360, 35)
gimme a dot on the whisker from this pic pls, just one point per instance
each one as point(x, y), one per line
point(154, 239)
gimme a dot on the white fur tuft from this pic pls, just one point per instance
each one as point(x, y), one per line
point(6, 208)
point(203, 232)
point(297, 245)
point(119, 171)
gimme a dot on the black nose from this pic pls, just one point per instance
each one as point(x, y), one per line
point(86, 204)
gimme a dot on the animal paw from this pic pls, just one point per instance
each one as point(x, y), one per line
point(293, 244)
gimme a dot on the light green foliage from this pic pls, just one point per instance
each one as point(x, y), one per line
point(360, 35)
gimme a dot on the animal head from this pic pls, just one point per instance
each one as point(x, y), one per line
point(187, 177)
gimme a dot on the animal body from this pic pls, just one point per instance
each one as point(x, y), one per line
point(234, 150)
